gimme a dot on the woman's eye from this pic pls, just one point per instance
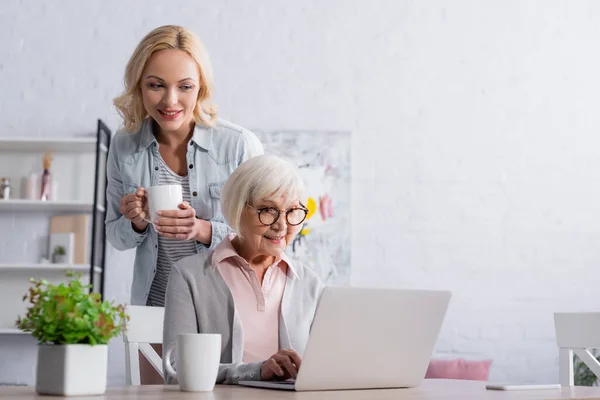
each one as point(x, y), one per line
point(154, 85)
point(187, 87)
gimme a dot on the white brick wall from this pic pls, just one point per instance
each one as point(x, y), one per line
point(476, 156)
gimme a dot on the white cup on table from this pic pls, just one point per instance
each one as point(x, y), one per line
point(198, 359)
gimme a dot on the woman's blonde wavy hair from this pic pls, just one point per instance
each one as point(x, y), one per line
point(130, 105)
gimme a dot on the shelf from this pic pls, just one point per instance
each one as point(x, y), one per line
point(74, 155)
point(13, 331)
point(58, 145)
point(48, 267)
point(38, 205)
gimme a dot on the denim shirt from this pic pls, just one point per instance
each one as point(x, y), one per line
point(213, 154)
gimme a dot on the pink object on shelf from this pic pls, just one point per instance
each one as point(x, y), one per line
point(459, 369)
point(46, 192)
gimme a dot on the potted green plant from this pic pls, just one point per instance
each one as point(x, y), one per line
point(60, 255)
point(73, 327)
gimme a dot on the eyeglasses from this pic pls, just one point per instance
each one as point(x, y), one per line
point(269, 215)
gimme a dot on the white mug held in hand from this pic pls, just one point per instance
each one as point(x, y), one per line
point(163, 197)
point(198, 359)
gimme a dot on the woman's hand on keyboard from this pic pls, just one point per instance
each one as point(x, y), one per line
point(280, 366)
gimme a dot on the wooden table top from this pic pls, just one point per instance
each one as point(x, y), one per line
point(431, 389)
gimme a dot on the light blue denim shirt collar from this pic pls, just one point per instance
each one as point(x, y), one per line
point(202, 136)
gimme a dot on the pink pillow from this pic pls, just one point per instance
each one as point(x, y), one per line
point(459, 369)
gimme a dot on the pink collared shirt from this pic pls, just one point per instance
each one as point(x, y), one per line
point(259, 307)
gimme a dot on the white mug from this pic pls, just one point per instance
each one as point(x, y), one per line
point(198, 359)
point(163, 197)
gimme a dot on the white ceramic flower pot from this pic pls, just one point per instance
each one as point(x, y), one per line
point(72, 369)
point(59, 258)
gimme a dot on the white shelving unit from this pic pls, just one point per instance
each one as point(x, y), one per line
point(38, 205)
point(80, 163)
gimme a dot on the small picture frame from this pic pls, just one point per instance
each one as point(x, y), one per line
point(61, 248)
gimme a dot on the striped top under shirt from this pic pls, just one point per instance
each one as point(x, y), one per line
point(169, 250)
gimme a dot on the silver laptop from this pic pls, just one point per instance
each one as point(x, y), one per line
point(368, 338)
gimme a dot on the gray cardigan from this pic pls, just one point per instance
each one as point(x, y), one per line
point(199, 301)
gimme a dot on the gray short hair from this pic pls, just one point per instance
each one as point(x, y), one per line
point(256, 179)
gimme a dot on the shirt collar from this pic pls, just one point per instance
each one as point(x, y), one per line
point(226, 250)
point(202, 136)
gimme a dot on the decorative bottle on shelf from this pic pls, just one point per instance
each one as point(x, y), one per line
point(46, 193)
point(5, 189)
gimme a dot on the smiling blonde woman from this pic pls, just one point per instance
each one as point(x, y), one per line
point(171, 135)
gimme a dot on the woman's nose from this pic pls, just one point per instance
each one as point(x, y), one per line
point(170, 98)
point(279, 225)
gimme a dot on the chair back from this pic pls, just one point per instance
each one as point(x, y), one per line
point(145, 327)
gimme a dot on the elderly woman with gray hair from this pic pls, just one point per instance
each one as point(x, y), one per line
point(260, 301)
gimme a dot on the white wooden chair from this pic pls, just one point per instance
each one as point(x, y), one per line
point(144, 327)
point(576, 333)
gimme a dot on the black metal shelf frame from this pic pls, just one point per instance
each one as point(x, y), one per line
point(98, 244)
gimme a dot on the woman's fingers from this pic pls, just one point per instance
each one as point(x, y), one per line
point(270, 369)
point(173, 229)
point(132, 197)
point(293, 355)
point(177, 214)
point(285, 362)
point(133, 213)
point(275, 367)
point(169, 232)
point(134, 207)
point(175, 222)
point(283, 365)
point(125, 200)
